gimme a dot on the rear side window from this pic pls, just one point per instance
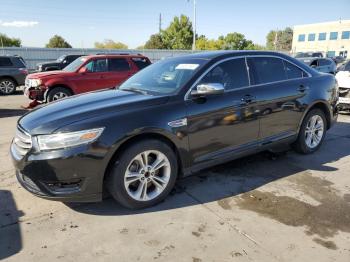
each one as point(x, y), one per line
point(5, 61)
point(232, 74)
point(118, 64)
point(324, 62)
point(293, 71)
point(267, 69)
point(140, 62)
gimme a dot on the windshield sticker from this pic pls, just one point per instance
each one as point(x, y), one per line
point(187, 66)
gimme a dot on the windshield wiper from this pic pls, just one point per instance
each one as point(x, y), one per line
point(135, 90)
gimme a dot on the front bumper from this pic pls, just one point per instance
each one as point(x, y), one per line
point(35, 93)
point(67, 175)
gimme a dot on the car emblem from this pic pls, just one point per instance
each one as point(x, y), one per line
point(178, 122)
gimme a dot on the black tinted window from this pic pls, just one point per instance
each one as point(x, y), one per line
point(267, 69)
point(347, 66)
point(324, 62)
point(293, 71)
point(118, 64)
point(140, 62)
point(232, 74)
point(5, 61)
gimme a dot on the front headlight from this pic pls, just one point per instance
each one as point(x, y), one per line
point(64, 140)
point(34, 82)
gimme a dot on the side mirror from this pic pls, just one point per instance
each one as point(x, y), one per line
point(208, 89)
point(83, 70)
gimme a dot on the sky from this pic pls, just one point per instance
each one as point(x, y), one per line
point(83, 22)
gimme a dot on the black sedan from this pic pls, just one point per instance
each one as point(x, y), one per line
point(172, 119)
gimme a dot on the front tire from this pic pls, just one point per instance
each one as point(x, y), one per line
point(312, 132)
point(143, 175)
point(7, 86)
point(58, 93)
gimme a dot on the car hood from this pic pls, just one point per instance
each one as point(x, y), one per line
point(51, 63)
point(53, 116)
point(49, 74)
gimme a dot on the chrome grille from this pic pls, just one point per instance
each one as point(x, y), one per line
point(22, 143)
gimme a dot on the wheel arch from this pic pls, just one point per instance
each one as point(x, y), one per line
point(52, 87)
point(9, 77)
point(137, 138)
point(322, 105)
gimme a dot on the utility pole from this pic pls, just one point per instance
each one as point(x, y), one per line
point(194, 25)
point(160, 22)
point(276, 39)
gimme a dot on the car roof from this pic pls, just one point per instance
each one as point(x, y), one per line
point(209, 55)
point(114, 55)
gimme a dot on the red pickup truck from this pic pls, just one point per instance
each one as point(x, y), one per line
point(85, 74)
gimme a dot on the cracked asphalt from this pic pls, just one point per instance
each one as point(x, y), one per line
point(263, 207)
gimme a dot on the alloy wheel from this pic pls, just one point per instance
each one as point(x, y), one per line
point(314, 131)
point(59, 95)
point(147, 175)
point(7, 87)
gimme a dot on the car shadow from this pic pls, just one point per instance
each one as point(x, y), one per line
point(10, 232)
point(12, 112)
point(237, 177)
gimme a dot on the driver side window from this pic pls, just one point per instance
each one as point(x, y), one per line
point(98, 65)
point(231, 74)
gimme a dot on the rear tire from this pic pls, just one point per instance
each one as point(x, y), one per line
point(143, 175)
point(58, 93)
point(311, 133)
point(7, 86)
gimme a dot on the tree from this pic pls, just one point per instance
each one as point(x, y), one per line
point(284, 39)
point(110, 44)
point(155, 42)
point(58, 42)
point(8, 41)
point(179, 34)
point(232, 41)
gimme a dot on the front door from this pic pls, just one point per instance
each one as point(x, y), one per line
point(94, 78)
point(221, 125)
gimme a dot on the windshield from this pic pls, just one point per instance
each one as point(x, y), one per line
point(72, 67)
point(163, 77)
point(61, 58)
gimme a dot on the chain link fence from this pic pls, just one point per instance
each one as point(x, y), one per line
point(34, 55)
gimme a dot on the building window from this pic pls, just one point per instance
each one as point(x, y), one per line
point(301, 38)
point(311, 37)
point(333, 36)
point(331, 54)
point(322, 36)
point(345, 35)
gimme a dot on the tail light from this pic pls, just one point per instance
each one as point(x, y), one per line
point(24, 71)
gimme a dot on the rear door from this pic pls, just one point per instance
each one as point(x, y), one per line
point(119, 69)
point(280, 89)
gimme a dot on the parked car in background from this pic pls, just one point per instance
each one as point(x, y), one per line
point(13, 72)
point(171, 119)
point(309, 54)
point(58, 64)
point(338, 59)
point(85, 74)
point(324, 65)
point(343, 78)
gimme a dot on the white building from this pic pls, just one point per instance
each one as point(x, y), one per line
point(331, 38)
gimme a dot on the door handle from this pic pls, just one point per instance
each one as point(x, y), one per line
point(302, 88)
point(248, 99)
